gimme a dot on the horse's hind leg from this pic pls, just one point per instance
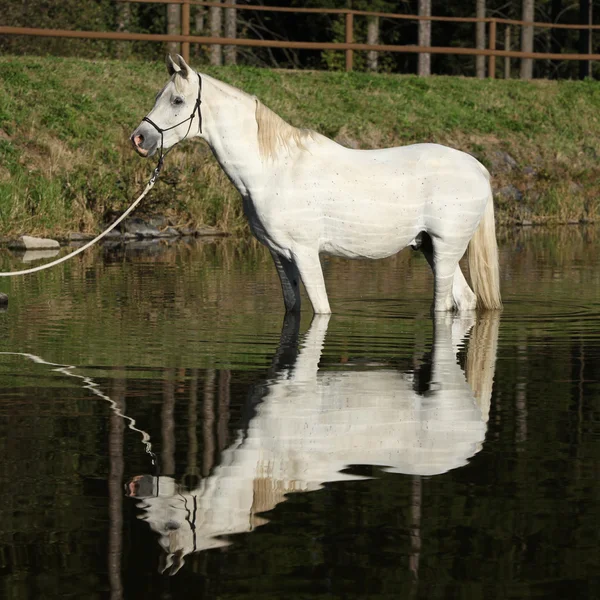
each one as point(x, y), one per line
point(290, 282)
point(463, 295)
point(451, 290)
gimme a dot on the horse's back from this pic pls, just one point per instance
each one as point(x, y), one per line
point(372, 203)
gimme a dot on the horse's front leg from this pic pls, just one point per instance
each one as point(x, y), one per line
point(290, 282)
point(308, 264)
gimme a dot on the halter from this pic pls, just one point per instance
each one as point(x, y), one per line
point(190, 119)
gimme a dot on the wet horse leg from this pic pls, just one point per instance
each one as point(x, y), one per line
point(290, 282)
point(308, 263)
point(451, 290)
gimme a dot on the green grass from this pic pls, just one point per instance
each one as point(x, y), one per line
point(66, 163)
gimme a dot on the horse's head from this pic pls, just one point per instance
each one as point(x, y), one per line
point(177, 515)
point(176, 114)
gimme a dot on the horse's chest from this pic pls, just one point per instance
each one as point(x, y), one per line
point(260, 224)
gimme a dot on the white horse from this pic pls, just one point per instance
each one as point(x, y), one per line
point(308, 427)
point(304, 194)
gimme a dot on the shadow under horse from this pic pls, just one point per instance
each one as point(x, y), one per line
point(306, 426)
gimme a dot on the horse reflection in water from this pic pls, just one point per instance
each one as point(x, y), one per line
point(310, 425)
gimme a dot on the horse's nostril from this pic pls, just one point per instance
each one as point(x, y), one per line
point(138, 140)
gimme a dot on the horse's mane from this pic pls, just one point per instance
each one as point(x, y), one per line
point(274, 132)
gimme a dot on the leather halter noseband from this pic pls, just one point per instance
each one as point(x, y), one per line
point(190, 119)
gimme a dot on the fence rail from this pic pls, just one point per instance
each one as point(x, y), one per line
point(349, 46)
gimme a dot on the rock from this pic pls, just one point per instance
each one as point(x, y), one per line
point(169, 232)
point(575, 188)
point(187, 231)
point(158, 221)
point(26, 242)
point(509, 193)
point(33, 255)
point(502, 162)
point(526, 223)
point(81, 237)
point(140, 228)
point(3, 300)
point(529, 171)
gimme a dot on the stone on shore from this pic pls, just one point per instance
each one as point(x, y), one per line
point(169, 232)
point(27, 242)
point(140, 228)
point(81, 237)
point(3, 299)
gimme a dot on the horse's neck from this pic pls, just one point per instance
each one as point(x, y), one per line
point(231, 130)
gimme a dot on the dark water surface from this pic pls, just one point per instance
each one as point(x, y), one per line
point(157, 412)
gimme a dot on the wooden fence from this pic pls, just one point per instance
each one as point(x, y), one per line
point(349, 46)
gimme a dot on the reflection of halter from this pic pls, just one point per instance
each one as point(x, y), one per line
point(190, 119)
point(190, 517)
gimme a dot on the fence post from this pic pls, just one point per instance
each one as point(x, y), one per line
point(185, 30)
point(492, 57)
point(349, 40)
point(507, 47)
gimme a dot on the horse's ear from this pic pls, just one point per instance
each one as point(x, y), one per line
point(185, 68)
point(172, 68)
point(178, 562)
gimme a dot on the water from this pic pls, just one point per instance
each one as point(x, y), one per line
point(165, 434)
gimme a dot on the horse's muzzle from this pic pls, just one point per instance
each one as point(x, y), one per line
point(137, 141)
point(143, 142)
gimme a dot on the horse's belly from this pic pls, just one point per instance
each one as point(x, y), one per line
point(348, 249)
point(369, 234)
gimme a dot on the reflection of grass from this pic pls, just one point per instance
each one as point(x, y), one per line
point(65, 160)
point(220, 304)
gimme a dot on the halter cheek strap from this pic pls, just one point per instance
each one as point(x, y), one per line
point(190, 119)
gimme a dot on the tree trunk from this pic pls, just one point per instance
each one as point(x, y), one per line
point(480, 40)
point(424, 37)
point(173, 26)
point(527, 39)
point(230, 32)
point(372, 38)
point(199, 23)
point(123, 24)
point(585, 47)
point(557, 36)
point(216, 25)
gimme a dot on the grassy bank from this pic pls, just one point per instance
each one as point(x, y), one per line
point(66, 164)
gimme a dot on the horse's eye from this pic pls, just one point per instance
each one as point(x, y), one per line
point(177, 100)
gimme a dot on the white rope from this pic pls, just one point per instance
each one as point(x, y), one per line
point(92, 386)
point(149, 186)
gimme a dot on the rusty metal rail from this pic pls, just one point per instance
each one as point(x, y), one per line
point(348, 46)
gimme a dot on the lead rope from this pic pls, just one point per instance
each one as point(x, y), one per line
point(149, 186)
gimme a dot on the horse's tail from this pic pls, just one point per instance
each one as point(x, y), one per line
point(480, 365)
point(483, 261)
